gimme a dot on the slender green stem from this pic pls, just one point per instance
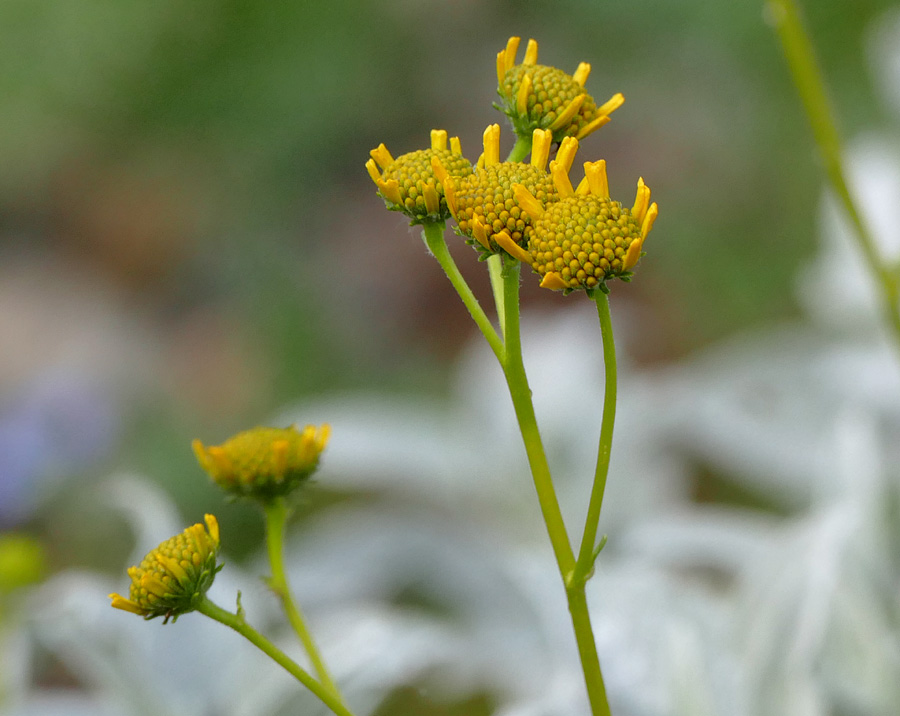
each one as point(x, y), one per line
point(517, 381)
point(237, 622)
point(587, 650)
point(810, 84)
point(433, 234)
point(276, 513)
point(520, 150)
point(588, 552)
point(495, 271)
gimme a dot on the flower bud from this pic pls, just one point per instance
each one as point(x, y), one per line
point(540, 97)
point(408, 183)
point(586, 238)
point(264, 462)
point(173, 578)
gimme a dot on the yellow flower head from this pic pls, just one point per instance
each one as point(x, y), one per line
point(586, 238)
point(536, 96)
point(264, 462)
point(173, 578)
point(408, 183)
point(483, 203)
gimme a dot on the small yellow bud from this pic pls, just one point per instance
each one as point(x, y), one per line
point(264, 462)
point(409, 183)
point(173, 578)
point(536, 96)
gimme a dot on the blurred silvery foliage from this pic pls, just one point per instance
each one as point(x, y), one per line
point(442, 573)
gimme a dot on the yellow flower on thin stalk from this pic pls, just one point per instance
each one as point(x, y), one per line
point(408, 183)
point(483, 203)
point(540, 97)
point(586, 238)
point(173, 578)
point(262, 462)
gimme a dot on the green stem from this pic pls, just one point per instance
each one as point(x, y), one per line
point(517, 381)
point(276, 512)
point(520, 150)
point(495, 271)
point(588, 552)
point(587, 650)
point(237, 622)
point(810, 84)
point(433, 234)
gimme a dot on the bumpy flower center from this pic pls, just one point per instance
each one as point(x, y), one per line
point(488, 196)
point(552, 91)
point(583, 239)
point(413, 173)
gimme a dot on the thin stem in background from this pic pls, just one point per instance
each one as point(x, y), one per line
point(239, 624)
point(588, 552)
point(276, 513)
point(810, 84)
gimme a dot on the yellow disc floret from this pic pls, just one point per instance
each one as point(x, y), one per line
point(484, 205)
point(173, 578)
point(586, 238)
point(264, 462)
point(408, 183)
point(537, 96)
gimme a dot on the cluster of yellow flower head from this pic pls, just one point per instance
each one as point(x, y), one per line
point(263, 464)
point(574, 237)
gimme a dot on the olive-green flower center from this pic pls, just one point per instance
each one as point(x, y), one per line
point(488, 196)
point(413, 173)
point(551, 92)
point(584, 239)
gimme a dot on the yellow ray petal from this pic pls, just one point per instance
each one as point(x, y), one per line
point(504, 241)
point(652, 213)
point(381, 155)
point(212, 524)
point(200, 452)
point(221, 460)
point(633, 254)
point(432, 200)
point(506, 60)
point(583, 187)
point(541, 139)
point(279, 456)
point(455, 146)
point(154, 586)
point(446, 182)
point(641, 201)
point(492, 145)
point(126, 605)
point(373, 171)
point(390, 189)
point(592, 126)
point(561, 180)
point(582, 73)
point(595, 173)
point(324, 434)
point(527, 202)
point(438, 139)
point(566, 115)
point(172, 566)
point(565, 156)
point(612, 104)
point(553, 281)
point(531, 53)
point(525, 88)
point(480, 234)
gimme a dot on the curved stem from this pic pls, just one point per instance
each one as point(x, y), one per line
point(433, 234)
point(276, 512)
point(810, 85)
point(588, 552)
point(237, 622)
point(517, 381)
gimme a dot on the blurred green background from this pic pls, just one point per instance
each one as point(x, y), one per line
point(189, 240)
